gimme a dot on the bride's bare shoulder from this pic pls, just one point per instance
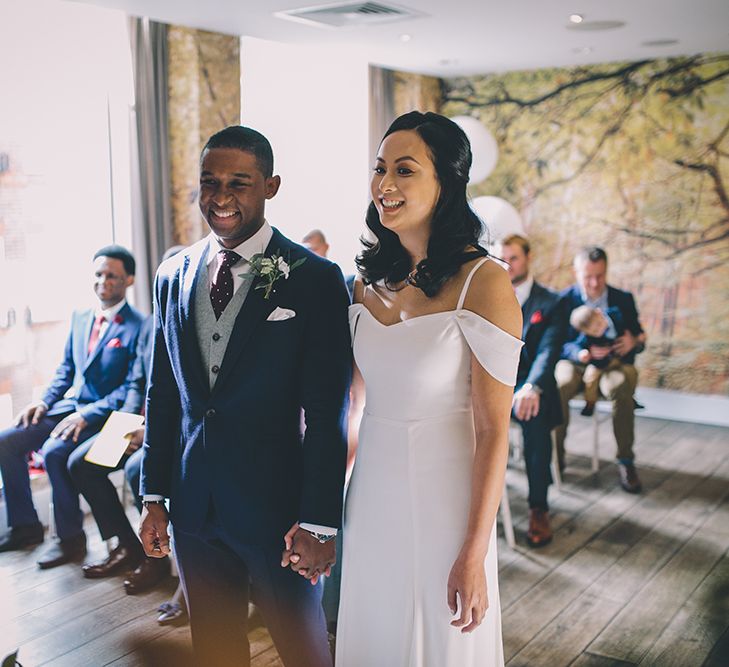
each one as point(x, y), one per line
point(358, 289)
point(491, 296)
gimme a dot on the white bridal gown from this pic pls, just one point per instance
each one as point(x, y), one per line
point(408, 501)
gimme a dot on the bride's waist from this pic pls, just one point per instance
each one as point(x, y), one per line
point(406, 420)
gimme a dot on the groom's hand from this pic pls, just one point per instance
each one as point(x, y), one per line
point(153, 531)
point(306, 555)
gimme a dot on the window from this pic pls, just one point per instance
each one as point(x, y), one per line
point(64, 177)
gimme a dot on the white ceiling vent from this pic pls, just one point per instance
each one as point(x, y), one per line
point(349, 14)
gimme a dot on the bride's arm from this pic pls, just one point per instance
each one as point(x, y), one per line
point(356, 394)
point(492, 297)
point(356, 406)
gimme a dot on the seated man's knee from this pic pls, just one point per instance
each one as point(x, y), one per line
point(54, 452)
point(566, 374)
point(616, 387)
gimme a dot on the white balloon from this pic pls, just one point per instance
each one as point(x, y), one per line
point(484, 148)
point(500, 217)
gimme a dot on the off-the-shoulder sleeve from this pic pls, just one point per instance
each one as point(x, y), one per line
point(496, 350)
point(355, 310)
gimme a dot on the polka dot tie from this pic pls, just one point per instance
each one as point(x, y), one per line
point(222, 290)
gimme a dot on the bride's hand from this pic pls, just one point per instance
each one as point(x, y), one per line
point(467, 582)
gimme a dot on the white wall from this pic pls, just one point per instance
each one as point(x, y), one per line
point(312, 104)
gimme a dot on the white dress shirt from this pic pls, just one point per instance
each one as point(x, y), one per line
point(524, 289)
point(256, 244)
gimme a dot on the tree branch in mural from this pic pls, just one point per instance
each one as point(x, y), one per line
point(632, 156)
point(667, 95)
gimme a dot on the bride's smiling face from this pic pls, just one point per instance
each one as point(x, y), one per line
point(404, 185)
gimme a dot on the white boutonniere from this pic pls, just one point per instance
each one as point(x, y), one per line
point(270, 269)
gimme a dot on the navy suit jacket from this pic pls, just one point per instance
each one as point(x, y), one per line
point(240, 446)
point(543, 332)
point(97, 381)
point(137, 379)
point(571, 298)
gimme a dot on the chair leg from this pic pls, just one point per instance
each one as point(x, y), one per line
point(506, 518)
point(51, 521)
point(556, 474)
point(516, 439)
point(595, 442)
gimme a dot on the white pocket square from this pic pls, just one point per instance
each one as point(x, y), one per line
point(280, 314)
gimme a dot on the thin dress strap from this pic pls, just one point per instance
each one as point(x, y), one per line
point(464, 291)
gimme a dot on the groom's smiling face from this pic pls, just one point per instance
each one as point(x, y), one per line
point(233, 193)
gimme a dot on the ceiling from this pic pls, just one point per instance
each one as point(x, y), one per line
point(468, 37)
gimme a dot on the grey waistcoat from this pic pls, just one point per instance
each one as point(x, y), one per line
point(212, 351)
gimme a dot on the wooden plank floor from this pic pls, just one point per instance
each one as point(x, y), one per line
point(628, 580)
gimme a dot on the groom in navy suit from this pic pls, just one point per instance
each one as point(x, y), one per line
point(88, 385)
point(250, 330)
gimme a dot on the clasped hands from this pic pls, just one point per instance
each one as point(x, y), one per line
point(307, 556)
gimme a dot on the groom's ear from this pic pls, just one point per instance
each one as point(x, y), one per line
point(273, 183)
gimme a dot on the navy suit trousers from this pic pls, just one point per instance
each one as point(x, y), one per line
point(215, 571)
point(15, 445)
point(538, 457)
point(93, 483)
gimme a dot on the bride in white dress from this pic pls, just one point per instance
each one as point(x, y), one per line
point(435, 328)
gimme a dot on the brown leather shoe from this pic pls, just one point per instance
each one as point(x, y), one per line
point(629, 479)
point(540, 532)
point(149, 573)
point(120, 559)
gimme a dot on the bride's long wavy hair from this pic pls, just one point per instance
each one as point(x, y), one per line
point(454, 226)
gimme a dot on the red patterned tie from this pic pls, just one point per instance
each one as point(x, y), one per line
point(221, 291)
point(95, 331)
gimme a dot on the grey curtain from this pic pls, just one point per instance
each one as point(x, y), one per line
point(152, 230)
point(382, 106)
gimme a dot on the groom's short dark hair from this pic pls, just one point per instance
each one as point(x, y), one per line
point(244, 139)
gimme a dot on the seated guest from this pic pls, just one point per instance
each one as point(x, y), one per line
point(89, 384)
point(536, 401)
point(94, 484)
point(601, 329)
point(316, 242)
point(616, 384)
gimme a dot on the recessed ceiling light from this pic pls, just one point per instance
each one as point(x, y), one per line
point(405, 37)
point(576, 18)
point(659, 42)
point(593, 26)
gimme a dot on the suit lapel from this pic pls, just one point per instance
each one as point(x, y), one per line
point(193, 267)
point(528, 309)
point(82, 342)
point(110, 332)
point(254, 310)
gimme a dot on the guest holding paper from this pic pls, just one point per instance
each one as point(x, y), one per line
point(92, 480)
point(89, 384)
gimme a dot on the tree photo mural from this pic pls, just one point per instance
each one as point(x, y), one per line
point(633, 157)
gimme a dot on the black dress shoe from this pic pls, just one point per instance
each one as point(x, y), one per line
point(63, 551)
point(629, 479)
point(20, 537)
point(149, 573)
point(119, 560)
